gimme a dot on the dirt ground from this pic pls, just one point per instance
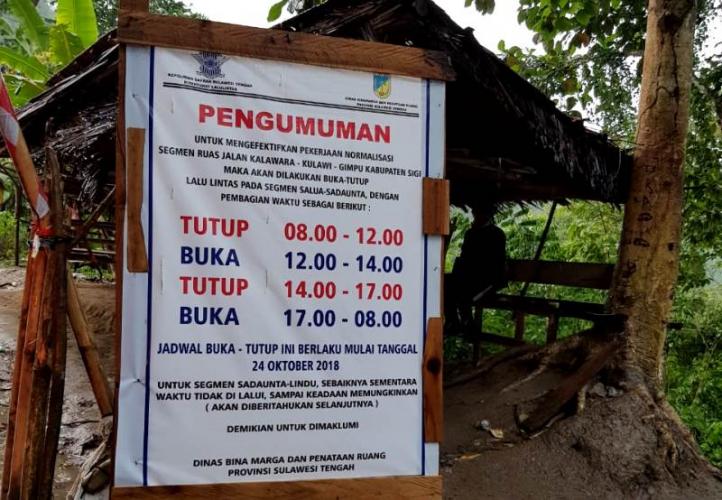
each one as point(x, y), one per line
point(620, 446)
point(610, 451)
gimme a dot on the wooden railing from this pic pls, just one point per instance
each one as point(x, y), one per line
point(571, 274)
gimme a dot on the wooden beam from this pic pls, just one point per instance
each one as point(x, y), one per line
point(137, 254)
point(435, 213)
point(433, 381)
point(552, 403)
point(545, 307)
point(575, 274)
point(303, 48)
point(382, 488)
point(468, 183)
point(500, 339)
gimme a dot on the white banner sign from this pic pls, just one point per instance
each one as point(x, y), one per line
point(288, 286)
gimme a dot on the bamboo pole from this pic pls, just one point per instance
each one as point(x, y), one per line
point(88, 351)
point(83, 231)
point(18, 149)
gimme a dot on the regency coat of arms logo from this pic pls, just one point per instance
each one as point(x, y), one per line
point(382, 86)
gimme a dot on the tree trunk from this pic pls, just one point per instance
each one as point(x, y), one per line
point(647, 268)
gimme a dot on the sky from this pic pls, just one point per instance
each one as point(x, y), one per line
point(488, 29)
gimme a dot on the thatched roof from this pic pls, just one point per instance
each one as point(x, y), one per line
point(504, 138)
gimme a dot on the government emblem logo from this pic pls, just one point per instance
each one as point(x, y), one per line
point(382, 86)
point(210, 64)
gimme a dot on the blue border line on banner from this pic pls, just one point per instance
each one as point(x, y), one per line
point(150, 267)
point(426, 262)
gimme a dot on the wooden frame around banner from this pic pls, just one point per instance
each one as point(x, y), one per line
point(136, 26)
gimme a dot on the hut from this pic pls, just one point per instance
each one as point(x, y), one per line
point(505, 139)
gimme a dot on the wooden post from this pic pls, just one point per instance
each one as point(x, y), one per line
point(17, 367)
point(476, 341)
point(88, 351)
point(26, 373)
point(41, 432)
point(519, 318)
point(552, 328)
point(57, 340)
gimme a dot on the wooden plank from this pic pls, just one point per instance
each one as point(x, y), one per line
point(396, 487)
point(88, 351)
point(435, 211)
point(163, 31)
point(545, 307)
point(499, 339)
point(137, 254)
point(433, 381)
point(576, 274)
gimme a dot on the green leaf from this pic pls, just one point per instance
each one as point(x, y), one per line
point(275, 11)
point(64, 45)
point(30, 22)
point(79, 17)
point(23, 63)
point(21, 89)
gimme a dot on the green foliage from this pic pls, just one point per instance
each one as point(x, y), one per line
point(589, 232)
point(590, 61)
point(7, 235)
point(292, 6)
point(64, 45)
point(32, 26)
point(275, 11)
point(35, 47)
point(694, 366)
point(106, 12)
point(23, 63)
point(78, 16)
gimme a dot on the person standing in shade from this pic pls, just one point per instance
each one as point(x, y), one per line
point(479, 271)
